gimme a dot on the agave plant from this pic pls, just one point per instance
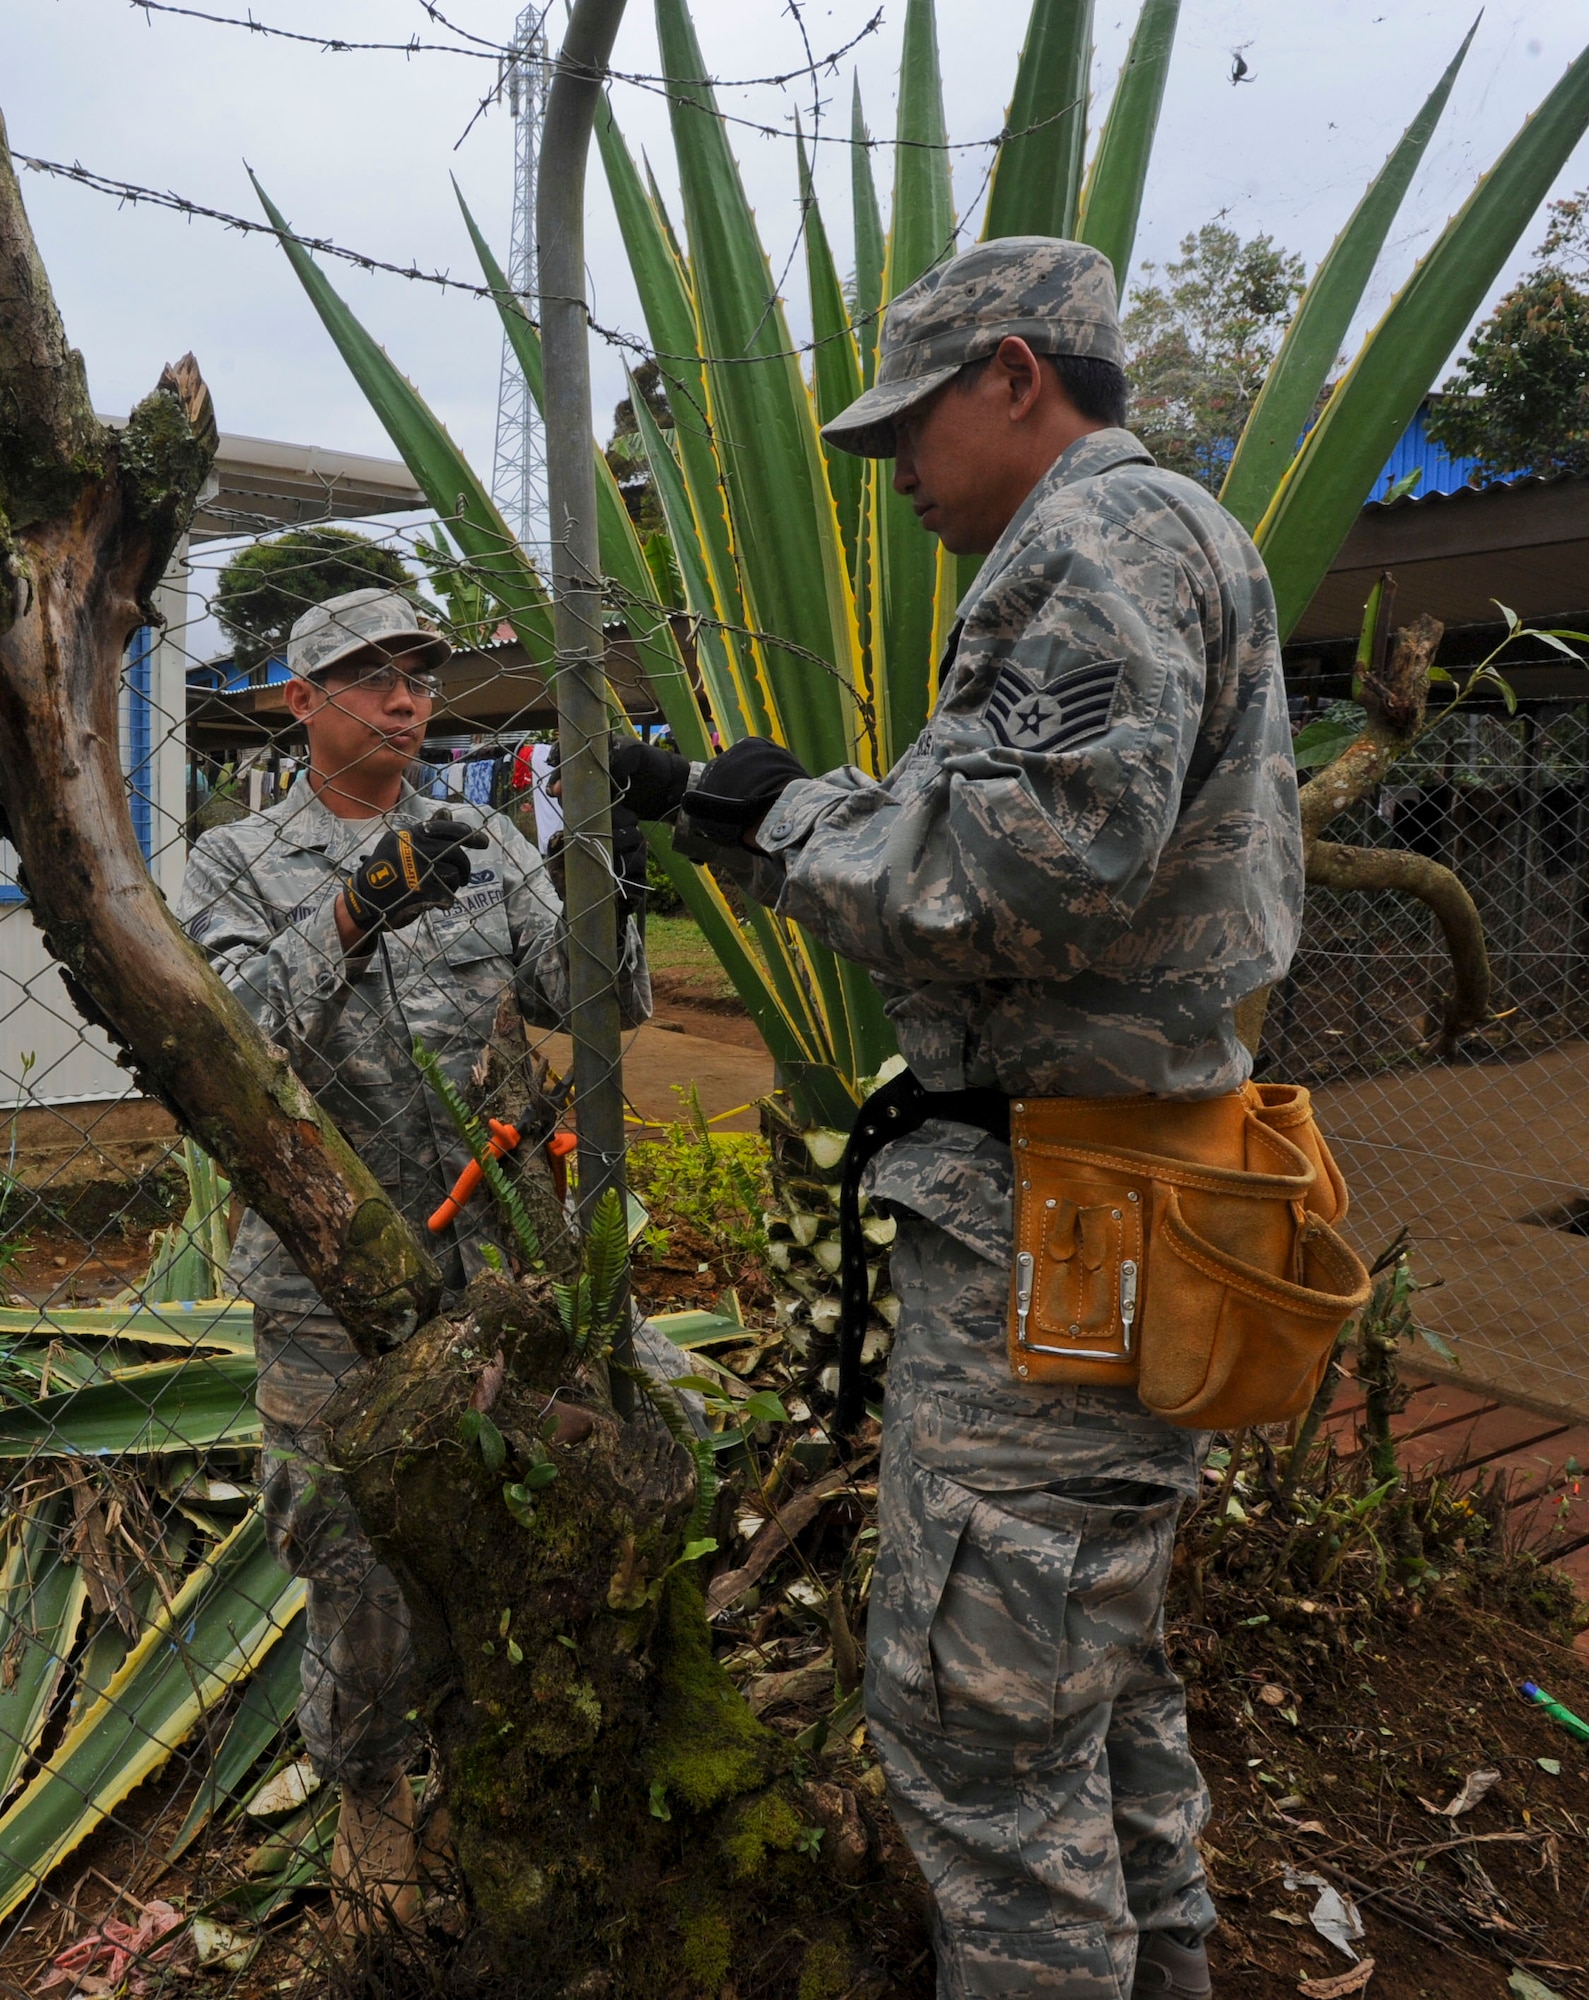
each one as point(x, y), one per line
point(817, 606)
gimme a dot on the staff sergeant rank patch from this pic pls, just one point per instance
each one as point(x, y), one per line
point(1072, 710)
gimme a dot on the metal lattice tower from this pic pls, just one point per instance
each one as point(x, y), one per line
point(518, 480)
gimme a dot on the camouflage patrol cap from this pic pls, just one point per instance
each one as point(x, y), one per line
point(1057, 296)
point(329, 633)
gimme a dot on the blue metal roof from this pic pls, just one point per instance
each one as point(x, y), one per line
point(1417, 452)
point(225, 677)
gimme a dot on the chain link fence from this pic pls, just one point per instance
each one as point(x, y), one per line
point(197, 1651)
point(200, 1656)
point(1483, 1159)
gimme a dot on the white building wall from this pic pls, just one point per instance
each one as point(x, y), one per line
point(74, 1063)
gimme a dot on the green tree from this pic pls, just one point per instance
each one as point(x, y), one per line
point(626, 453)
point(1519, 400)
point(1200, 339)
point(266, 586)
point(472, 616)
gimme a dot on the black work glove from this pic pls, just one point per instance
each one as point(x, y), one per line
point(628, 867)
point(411, 869)
point(738, 789)
point(649, 781)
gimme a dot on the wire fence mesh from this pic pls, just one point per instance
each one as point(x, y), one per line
point(197, 1649)
point(199, 1652)
point(1483, 1157)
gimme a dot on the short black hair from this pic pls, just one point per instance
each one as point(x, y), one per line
point(1095, 386)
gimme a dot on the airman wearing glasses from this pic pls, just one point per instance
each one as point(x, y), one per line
point(351, 919)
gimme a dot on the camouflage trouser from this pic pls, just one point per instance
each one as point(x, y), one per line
point(1018, 1694)
point(356, 1658)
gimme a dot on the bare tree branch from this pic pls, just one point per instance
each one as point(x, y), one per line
point(1395, 694)
point(1377, 870)
point(88, 519)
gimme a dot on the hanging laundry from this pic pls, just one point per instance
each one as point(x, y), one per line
point(477, 777)
point(548, 811)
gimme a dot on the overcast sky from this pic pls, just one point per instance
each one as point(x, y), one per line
point(359, 146)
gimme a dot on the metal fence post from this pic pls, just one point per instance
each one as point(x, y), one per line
point(581, 683)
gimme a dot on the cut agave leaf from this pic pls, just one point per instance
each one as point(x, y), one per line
point(41, 1604)
point(188, 1405)
point(223, 1621)
point(692, 1330)
point(227, 1324)
point(265, 1712)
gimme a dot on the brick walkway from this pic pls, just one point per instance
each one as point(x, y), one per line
point(1468, 1432)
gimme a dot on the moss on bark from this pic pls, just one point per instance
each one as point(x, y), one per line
point(618, 1810)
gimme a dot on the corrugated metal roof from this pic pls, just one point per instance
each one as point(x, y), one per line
point(1417, 452)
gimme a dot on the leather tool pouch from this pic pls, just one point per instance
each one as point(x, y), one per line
point(1186, 1250)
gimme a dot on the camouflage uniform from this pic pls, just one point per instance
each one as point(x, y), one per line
point(1063, 887)
point(259, 896)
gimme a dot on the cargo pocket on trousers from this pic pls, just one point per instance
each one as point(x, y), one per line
point(912, 1569)
point(1076, 1961)
point(997, 1643)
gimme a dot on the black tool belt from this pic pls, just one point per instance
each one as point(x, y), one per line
point(901, 1107)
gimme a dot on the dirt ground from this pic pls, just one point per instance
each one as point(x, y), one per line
point(1449, 1906)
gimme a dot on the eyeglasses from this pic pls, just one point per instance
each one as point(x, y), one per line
point(384, 679)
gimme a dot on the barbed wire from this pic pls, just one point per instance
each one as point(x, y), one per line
point(132, 193)
point(500, 52)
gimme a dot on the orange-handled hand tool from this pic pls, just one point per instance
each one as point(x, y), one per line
point(558, 1148)
point(503, 1139)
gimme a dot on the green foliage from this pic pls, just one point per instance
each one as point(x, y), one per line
point(825, 636)
point(715, 1184)
point(1322, 740)
point(593, 1306)
point(626, 454)
point(473, 1133)
point(472, 615)
point(1519, 400)
point(268, 585)
point(1200, 339)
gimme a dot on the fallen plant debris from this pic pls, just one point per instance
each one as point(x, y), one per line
point(115, 1952)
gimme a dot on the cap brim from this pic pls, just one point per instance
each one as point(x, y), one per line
point(431, 644)
point(866, 428)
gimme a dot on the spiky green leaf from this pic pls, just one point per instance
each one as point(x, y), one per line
point(1334, 472)
point(669, 309)
point(421, 440)
point(836, 367)
point(870, 249)
point(1291, 388)
point(1037, 175)
point(785, 525)
point(905, 604)
point(223, 1621)
point(1111, 198)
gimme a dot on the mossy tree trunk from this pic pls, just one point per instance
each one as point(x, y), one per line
point(623, 1822)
